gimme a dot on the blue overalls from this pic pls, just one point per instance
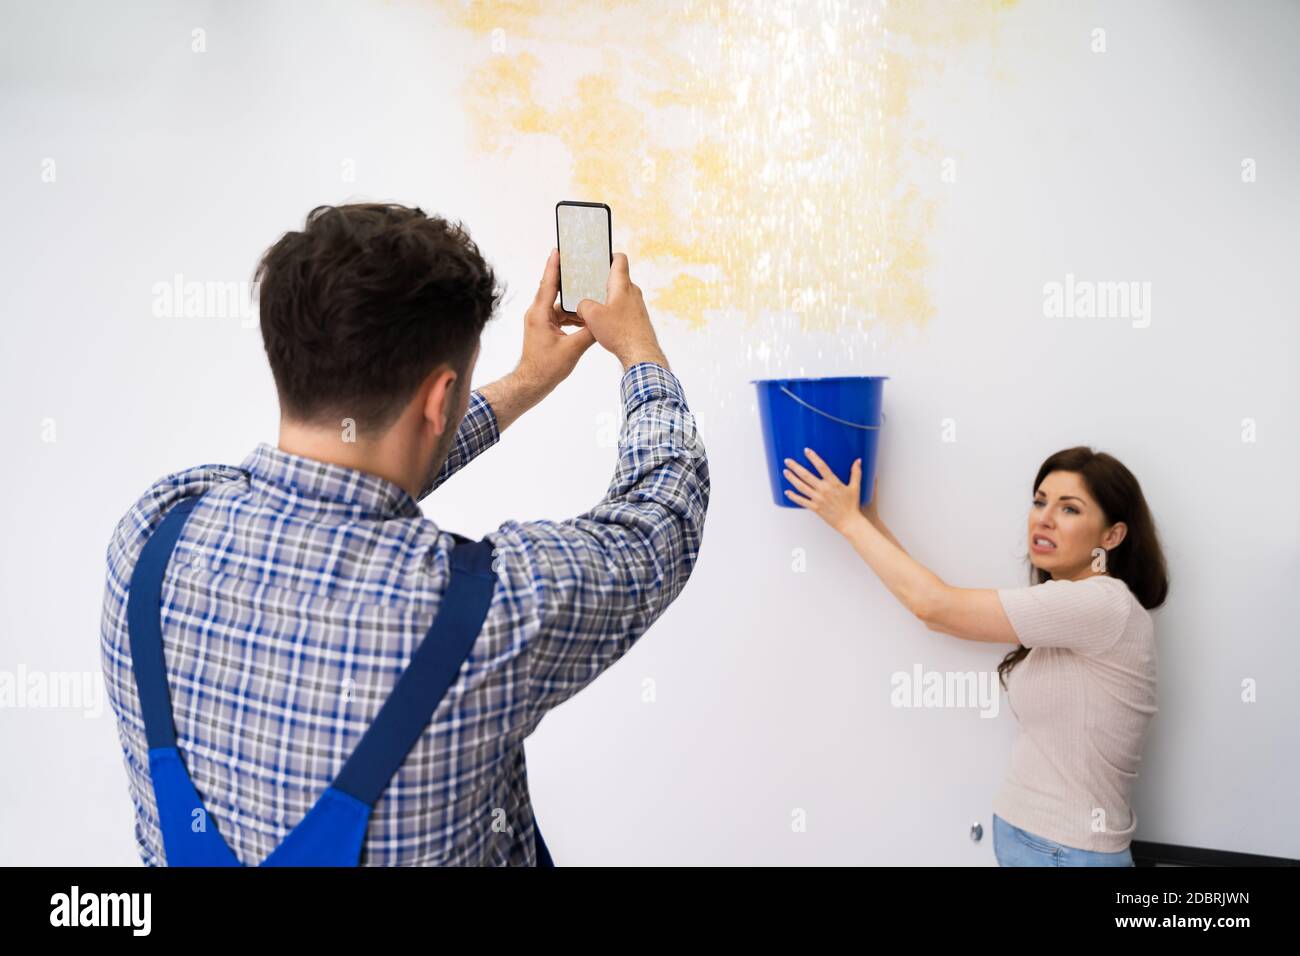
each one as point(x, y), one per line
point(334, 830)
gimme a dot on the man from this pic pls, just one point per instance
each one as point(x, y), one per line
point(298, 588)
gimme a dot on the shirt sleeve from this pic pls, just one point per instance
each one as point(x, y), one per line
point(596, 582)
point(477, 433)
point(1085, 616)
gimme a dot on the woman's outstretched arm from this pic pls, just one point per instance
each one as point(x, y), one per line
point(971, 613)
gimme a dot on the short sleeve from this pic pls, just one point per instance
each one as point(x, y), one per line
point(1084, 616)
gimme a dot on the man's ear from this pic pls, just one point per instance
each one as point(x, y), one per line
point(440, 400)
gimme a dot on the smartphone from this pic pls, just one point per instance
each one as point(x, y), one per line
point(584, 234)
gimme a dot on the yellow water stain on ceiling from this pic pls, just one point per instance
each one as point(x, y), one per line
point(761, 154)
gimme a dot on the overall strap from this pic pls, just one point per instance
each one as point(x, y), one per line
point(189, 836)
point(144, 624)
point(333, 832)
point(427, 677)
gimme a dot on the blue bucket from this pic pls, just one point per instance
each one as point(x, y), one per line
point(838, 418)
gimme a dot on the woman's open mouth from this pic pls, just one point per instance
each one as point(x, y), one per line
point(1041, 545)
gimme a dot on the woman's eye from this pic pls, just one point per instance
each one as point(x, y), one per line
point(1072, 508)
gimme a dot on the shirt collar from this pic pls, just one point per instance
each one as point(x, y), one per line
point(305, 485)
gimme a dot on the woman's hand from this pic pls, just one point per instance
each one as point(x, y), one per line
point(835, 502)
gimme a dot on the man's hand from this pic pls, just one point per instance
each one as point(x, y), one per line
point(550, 353)
point(622, 324)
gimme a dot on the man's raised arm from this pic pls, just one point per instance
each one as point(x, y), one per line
point(549, 355)
point(596, 582)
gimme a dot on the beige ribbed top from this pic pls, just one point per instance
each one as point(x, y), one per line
point(1084, 696)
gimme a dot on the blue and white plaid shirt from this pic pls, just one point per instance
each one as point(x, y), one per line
point(299, 591)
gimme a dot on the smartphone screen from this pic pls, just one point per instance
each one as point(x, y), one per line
point(583, 234)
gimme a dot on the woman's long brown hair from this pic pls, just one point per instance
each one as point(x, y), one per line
point(1138, 560)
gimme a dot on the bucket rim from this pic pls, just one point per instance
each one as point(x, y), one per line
point(821, 378)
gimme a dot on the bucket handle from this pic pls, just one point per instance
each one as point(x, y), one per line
point(813, 408)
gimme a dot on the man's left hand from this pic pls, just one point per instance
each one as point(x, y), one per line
point(550, 353)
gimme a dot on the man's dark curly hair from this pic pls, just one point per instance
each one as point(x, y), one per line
point(363, 303)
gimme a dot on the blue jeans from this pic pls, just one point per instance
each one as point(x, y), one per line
point(1016, 847)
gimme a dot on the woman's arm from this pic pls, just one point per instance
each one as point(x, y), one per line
point(880, 525)
point(974, 614)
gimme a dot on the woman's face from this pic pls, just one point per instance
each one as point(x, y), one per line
point(1066, 526)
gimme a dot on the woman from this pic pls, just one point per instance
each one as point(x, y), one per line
point(1085, 671)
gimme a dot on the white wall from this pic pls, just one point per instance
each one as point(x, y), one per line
point(773, 687)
